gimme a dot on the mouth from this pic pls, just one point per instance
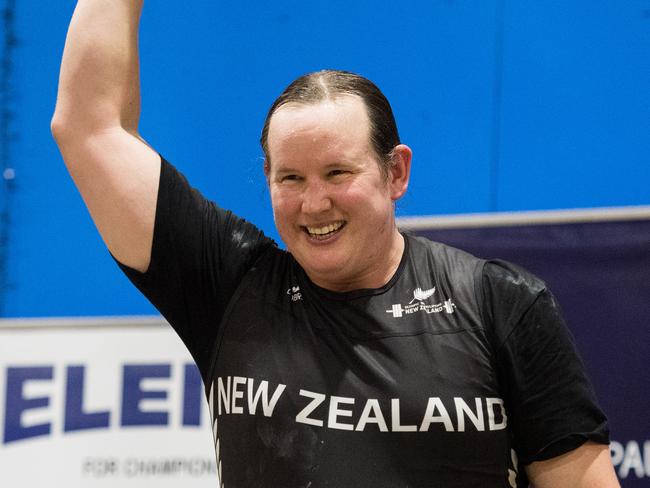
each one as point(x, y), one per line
point(323, 232)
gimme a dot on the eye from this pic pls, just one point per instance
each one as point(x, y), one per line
point(337, 172)
point(289, 177)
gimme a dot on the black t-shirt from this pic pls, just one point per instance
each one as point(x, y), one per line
point(447, 376)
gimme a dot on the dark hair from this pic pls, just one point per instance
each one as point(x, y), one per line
point(328, 85)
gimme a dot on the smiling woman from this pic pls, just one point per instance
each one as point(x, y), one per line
point(355, 324)
point(332, 205)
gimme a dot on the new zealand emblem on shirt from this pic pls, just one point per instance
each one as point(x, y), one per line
point(419, 303)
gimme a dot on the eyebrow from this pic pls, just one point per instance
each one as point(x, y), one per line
point(287, 169)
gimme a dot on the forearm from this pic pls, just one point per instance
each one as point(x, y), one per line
point(99, 86)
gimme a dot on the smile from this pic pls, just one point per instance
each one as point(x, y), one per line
point(325, 230)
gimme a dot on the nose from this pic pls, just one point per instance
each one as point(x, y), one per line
point(316, 198)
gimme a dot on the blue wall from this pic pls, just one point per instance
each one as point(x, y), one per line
point(508, 105)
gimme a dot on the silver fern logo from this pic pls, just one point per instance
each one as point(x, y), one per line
point(421, 295)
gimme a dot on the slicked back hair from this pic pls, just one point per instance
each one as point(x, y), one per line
point(320, 86)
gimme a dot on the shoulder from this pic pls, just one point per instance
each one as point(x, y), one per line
point(511, 277)
point(504, 291)
point(441, 256)
point(497, 275)
point(508, 293)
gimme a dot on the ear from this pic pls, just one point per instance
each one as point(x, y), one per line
point(399, 171)
point(267, 169)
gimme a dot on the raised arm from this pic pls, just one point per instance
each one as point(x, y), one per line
point(96, 126)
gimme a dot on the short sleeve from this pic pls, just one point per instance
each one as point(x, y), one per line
point(551, 405)
point(199, 255)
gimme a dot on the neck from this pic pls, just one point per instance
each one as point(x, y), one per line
point(376, 276)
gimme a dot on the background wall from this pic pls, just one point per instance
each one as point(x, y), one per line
point(508, 105)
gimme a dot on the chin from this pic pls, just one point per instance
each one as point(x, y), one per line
point(324, 268)
point(321, 267)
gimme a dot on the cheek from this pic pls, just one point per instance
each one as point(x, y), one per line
point(368, 196)
point(283, 206)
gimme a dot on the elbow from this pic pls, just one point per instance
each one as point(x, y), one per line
point(72, 127)
point(64, 138)
point(73, 120)
point(57, 127)
point(68, 131)
point(62, 128)
point(69, 138)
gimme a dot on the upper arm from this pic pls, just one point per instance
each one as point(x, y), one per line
point(588, 466)
point(117, 175)
point(552, 408)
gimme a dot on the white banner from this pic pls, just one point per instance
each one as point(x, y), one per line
point(115, 402)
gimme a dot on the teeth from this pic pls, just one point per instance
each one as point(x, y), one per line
point(325, 229)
